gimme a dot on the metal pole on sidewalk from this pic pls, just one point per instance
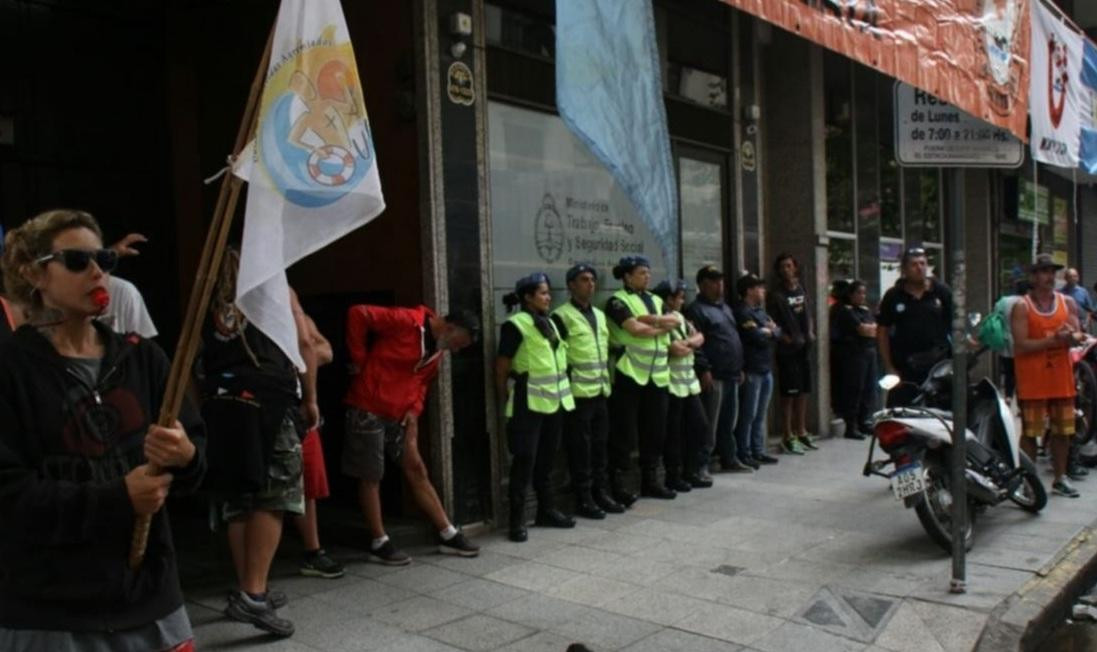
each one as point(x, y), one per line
point(957, 226)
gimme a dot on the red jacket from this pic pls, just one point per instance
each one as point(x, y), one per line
point(387, 346)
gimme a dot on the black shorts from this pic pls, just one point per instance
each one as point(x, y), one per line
point(794, 374)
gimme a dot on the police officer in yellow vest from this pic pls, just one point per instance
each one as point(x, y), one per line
point(586, 429)
point(531, 371)
point(687, 423)
point(639, 336)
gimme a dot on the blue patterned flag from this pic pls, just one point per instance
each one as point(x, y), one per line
point(1088, 155)
point(610, 94)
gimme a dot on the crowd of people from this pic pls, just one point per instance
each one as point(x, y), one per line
point(685, 388)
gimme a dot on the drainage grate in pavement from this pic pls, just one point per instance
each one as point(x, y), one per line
point(852, 614)
point(730, 571)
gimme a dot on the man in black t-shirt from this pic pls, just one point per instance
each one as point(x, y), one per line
point(915, 316)
point(788, 303)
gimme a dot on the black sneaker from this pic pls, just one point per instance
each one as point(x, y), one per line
point(262, 614)
point(735, 466)
point(1063, 488)
point(1074, 473)
point(458, 545)
point(318, 564)
point(766, 459)
point(749, 461)
point(698, 482)
point(276, 598)
point(388, 555)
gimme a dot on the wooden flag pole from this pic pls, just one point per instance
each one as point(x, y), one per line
point(205, 282)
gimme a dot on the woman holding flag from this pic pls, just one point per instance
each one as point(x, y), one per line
point(78, 404)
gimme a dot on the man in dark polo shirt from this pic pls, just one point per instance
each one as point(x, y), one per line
point(915, 315)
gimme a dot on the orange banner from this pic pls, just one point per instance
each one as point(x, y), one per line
point(971, 53)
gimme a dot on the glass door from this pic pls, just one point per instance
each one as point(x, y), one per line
point(702, 192)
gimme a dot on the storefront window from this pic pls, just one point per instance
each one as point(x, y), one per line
point(839, 143)
point(701, 199)
point(694, 52)
point(891, 217)
point(923, 205)
point(524, 32)
point(842, 258)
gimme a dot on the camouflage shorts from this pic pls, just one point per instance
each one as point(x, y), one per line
point(285, 491)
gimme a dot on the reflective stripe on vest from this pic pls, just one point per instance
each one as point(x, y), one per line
point(644, 358)
point(547, 386)
point(588, 351)
point(683, 379)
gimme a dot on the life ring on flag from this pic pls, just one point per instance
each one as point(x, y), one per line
point(331, 165)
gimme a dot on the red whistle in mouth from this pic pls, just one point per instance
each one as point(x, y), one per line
point(100, 297)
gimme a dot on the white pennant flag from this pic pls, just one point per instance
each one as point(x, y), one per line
point(312, 170)
point(1056, 93)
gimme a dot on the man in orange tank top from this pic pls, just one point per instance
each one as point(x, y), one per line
point(1045, 325)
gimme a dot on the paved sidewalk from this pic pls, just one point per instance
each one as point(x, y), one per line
point(805, 555)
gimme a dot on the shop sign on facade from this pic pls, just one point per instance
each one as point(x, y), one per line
point(1033, 203)
point(459, 85)
point(933, 133)
point(971, 53)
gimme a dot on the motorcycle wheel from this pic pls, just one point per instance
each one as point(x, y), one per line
point(935, 510)
point(1031, 496)
point(1085, 383)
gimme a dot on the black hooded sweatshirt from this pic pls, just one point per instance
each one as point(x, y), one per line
point(66, 519)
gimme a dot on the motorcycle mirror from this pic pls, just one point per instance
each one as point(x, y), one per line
point(889, 382)
point(974, 318)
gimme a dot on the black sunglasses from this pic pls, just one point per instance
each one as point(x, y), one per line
point(77, 260)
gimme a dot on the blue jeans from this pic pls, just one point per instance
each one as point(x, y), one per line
point(754, 397)
point(722, 409)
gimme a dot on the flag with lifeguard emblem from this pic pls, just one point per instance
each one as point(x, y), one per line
point(311, 168)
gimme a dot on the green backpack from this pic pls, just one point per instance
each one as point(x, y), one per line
point(992, 332)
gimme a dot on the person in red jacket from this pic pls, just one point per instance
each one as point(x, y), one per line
point(396, 352)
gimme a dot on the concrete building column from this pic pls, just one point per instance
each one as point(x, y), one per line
point(795, 182)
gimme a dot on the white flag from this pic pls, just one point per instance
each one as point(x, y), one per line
point(1055, 94)
point(311, 169)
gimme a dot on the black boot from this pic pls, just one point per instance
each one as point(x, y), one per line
point(551, 517)
point(650, 486)
point(517, 531)
point(586, 507)
point(852, 431)
point(675, 481)
point(606, 502)
point(621, 495)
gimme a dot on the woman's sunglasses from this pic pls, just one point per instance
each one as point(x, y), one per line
point(77, 260)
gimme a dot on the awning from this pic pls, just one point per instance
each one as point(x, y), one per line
point(971, 53)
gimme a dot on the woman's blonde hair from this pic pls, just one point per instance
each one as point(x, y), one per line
point(32, 240)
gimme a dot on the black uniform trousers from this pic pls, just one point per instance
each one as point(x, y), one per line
point(687, 425)
point(856, 389)
point(586, 431)
point(639, 414)
point(533, 439)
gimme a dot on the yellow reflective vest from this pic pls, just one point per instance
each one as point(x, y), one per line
point(644, 358)
point(588, 351)
point(547, 388)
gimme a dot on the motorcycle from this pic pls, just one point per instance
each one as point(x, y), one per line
point(1084, 358)
point(918, 442)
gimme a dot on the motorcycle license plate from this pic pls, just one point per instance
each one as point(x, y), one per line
point(907, 481)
